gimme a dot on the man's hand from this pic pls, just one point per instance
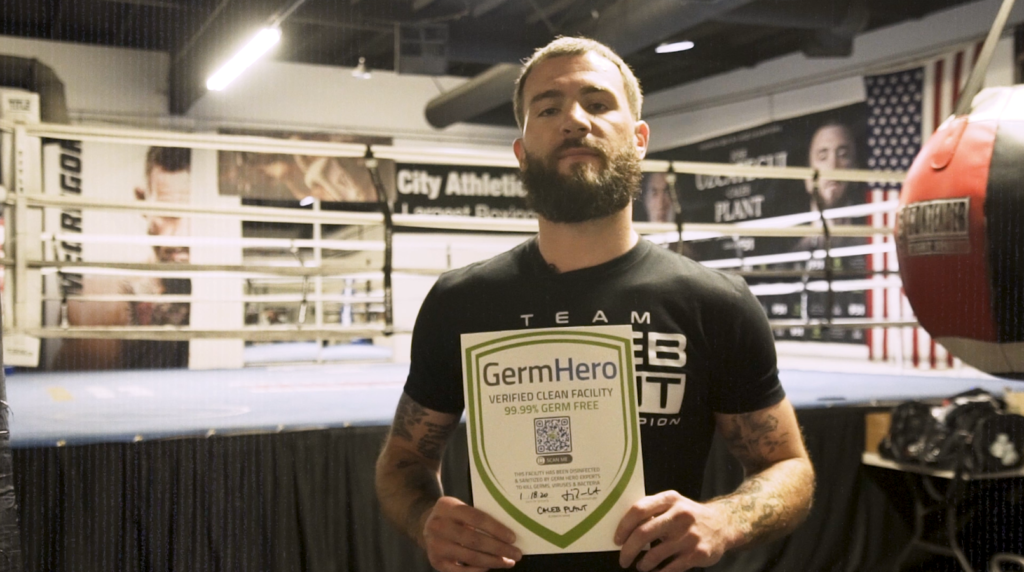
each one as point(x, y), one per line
point(682, 533)
point(460, 538)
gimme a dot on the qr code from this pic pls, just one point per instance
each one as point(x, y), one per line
point(553, 435)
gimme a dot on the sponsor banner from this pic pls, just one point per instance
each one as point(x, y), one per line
point(833, 139)
point(489, 192)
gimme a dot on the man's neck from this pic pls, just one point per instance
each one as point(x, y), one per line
point(572, 246)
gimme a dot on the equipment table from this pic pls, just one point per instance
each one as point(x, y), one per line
point(930, 498)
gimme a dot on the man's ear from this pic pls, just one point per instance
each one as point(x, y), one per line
point(643, 137)
point(517, 148)
point(140, 193)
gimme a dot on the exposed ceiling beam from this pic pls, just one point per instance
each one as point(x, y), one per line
point(418, 5)
point(548, 11)
point(626, 26)
point(484, 6)
point(850, 18)
point(58, 16)
point(150, 3)
point(342, 25)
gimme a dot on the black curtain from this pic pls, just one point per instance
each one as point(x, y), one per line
point(10, 541)
point(304, 501)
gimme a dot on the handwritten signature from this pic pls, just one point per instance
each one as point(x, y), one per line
point(577, 494)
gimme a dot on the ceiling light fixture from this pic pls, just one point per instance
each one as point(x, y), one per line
point(669, 48)
point(361, 71)
point(266, 38)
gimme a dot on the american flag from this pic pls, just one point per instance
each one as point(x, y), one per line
point(905, 108)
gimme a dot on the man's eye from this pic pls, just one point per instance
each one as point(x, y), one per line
point(548, 111)
point(598, 107)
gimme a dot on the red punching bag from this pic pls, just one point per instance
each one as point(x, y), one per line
point(960, 234)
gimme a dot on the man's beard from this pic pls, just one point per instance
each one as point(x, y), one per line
point(583, 194)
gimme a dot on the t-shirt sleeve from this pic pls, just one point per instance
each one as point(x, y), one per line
point(435, 372)
point(745, 375)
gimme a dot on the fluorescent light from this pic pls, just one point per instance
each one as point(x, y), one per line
point(674, 47)
point(261, 44)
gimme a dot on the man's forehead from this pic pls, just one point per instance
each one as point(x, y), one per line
point(601, 71)
point(831, 133)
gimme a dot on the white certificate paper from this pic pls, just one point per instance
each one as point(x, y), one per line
point(554, 434)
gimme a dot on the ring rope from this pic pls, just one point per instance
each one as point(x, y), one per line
point(354, 299)
point(415, 154)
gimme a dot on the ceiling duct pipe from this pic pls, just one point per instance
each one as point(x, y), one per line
point(627, 26)
point(33, 75)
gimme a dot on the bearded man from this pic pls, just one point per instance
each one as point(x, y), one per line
point(578, 105)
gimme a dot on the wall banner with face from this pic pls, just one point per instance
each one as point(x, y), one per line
point(460, 191)
point(122, 173)
point(838, 138)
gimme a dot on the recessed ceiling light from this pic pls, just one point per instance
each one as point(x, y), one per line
point(668, 48)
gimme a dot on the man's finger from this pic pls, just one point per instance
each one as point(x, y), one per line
point(485, 523)
point(481, 542)
point(641, 511)
point(670, 555)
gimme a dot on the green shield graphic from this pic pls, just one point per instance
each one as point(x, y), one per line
point(499, 396)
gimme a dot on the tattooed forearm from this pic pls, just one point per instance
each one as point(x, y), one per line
point(412, 424)
point(756, 510)
point(753, 438)
point(408, 469)
point(779, 486)
point(431, 444)
point(425, 491)
point(408, 415)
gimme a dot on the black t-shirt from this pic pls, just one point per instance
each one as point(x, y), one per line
point(702, 344)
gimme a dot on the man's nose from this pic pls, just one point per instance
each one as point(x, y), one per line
point(577, 121)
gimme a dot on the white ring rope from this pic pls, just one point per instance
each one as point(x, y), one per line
point(254, 144)
point(248, 298)
point(256, 214)
point(292, 332)
point(802, 256)
point(176, 270)
point(843, 323)
point(417, 154)
point(783, 288)
point(191, 241)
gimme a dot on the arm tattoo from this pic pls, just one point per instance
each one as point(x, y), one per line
point(408, 415)
point(411, 419)
point(756, 508)
point(775, 496)
point(753, 437)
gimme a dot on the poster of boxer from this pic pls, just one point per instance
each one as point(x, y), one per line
point(121, 173)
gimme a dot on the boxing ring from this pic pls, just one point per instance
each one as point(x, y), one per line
point(270, 466)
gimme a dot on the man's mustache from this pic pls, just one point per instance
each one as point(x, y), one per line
point(581, 144)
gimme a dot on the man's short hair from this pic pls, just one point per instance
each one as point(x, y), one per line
point(565, 46)
point(170, 159)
